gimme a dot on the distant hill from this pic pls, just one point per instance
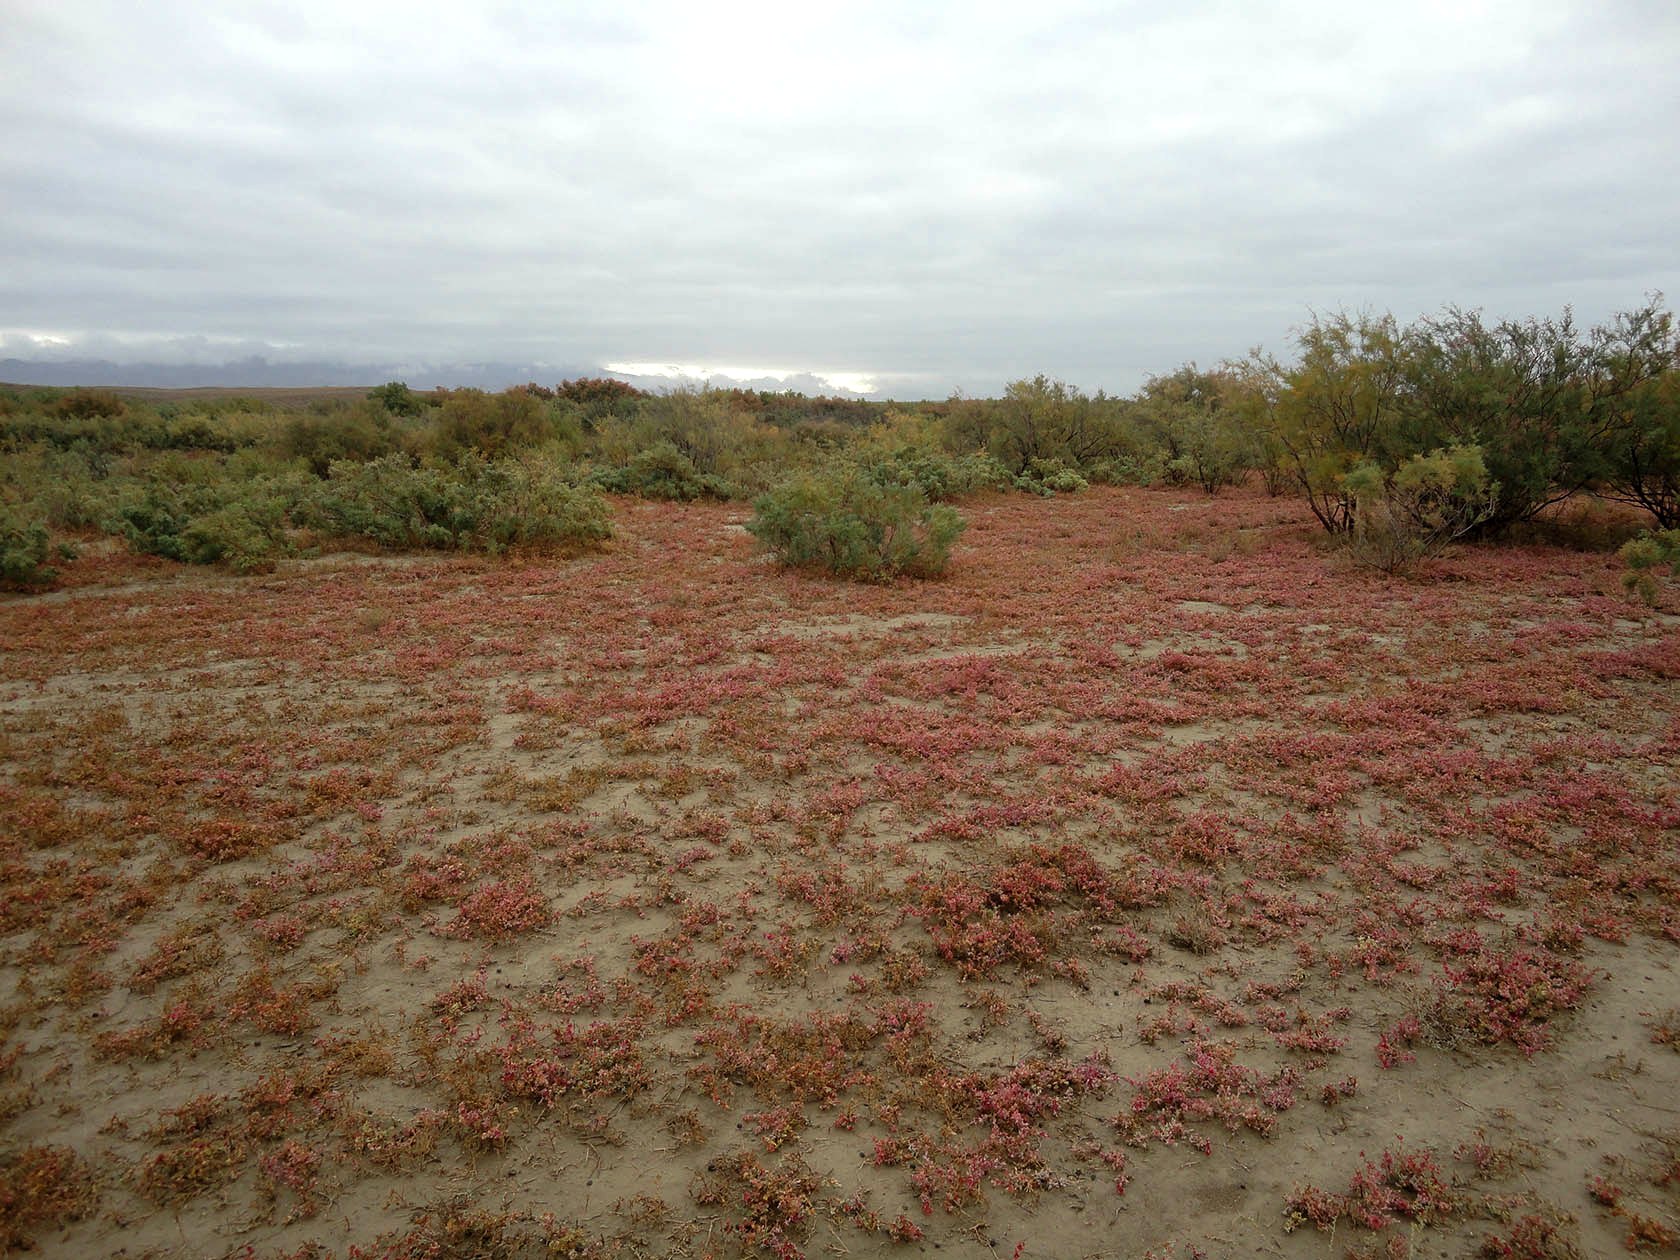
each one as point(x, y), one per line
point(259, 374)
point(254, 374)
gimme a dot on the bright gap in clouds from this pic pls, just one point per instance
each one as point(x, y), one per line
point(851, 382)
point(28, 338)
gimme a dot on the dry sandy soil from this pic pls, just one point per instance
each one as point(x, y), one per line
point(1151, 885)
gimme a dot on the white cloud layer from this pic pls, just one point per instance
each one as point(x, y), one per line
point(872, 193)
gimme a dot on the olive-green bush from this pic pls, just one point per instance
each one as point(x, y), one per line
point(1416, 511)
point(939, 475)
point(845, 523)
point(25, 546)
point(1050, 476)
point(241, 525)
point(361, 432)
point(473, 504)
point(660, 471)
point(1646, 557)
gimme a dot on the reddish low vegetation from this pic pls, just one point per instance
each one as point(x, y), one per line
point(1153, 883)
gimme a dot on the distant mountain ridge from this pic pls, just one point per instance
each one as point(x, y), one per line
point(259, 373)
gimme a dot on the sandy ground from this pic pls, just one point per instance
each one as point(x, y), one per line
point(1100, 899)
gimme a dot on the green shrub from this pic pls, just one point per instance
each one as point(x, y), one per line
point(247, 536)
point(1645, 557)
point(87, 404)
point(595, 399)
point(1419, 509)
point(1644, 450)
point(1045, 419)
point(721, 439)
point(661, 471)
point(471, 505)
point(239, 524)
point(538, 508)
point(360, 432)
point(61, 487)
point(397, 398)
point(1201, 427)
point(1144, 469)
point(1547, 400)
point(82, 428)
point(194, 432)
point(390, 501)
point(854, 527)
point(152, 518)
point(24, 548)
point(907, 448)
point(1050, 476)
point(937, 474)
point(493, 425)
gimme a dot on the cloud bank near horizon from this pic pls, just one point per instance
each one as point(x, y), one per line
point(187, 362)
point(900, 195)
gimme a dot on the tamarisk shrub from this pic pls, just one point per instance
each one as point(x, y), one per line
point(1414, 512)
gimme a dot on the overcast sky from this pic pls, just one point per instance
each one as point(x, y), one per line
point(906, 197)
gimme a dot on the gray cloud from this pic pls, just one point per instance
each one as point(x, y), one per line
point(930, 196)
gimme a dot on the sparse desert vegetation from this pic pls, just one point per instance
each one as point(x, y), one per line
point(499, 853)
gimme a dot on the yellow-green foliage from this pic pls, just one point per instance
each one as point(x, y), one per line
point(730, 449)
point(849, 525)
point(1646, 557)
point(1419, 508)
point(24, 549)
point(492, 424)
point(473, 504)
